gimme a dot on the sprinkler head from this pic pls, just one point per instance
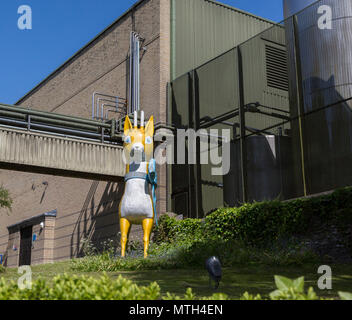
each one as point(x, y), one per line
point(213, 267)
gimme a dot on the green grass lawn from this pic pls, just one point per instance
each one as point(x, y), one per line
point(236, 280)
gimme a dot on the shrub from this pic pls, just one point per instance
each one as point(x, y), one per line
point(5, 199)
point(170, 229)
point(261, 223)
point(254, 233)
point(64, 287)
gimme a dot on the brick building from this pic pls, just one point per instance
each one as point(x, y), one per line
point(51, 215)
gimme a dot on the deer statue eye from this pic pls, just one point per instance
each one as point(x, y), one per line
point(148, 140)
point(128, 140)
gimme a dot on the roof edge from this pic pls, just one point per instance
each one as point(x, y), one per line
point(30, 221)
point(241, 11)
point(70, 59)
point(139, 2)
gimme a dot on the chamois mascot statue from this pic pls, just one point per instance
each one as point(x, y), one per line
point(137, 206)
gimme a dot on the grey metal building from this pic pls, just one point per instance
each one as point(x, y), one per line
point(286, 95)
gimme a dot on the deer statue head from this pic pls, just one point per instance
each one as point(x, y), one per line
point(138, 141)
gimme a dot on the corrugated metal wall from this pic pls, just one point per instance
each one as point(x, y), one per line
point(258, 69)
point(203, 29)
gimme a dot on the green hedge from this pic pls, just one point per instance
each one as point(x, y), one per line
point(263, 222)
point(64, 287)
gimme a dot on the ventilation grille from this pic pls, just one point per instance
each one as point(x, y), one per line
point(276, 68)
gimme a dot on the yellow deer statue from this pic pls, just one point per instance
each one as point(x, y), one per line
point(137, 206)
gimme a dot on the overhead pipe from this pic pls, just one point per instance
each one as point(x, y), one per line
point(64, 135)
point(52, 128)
point(65, 123)
point(44, 114)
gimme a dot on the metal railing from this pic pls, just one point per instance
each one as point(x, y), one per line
point(58, 124)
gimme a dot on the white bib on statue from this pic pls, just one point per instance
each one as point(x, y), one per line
point(136, 203)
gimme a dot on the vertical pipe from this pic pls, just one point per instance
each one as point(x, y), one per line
point(169, 188)
point(300, 100)
point(93, 108)
point(142, 119)
point(243, 146)
point(189, 166)
point(131, 74)
point(196, 127)
point(135, 119)
point(138, 79)
point(134, 73)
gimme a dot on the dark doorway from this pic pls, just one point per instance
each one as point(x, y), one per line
point(26, 246)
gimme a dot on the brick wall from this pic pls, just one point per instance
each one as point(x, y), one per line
point(89, 209)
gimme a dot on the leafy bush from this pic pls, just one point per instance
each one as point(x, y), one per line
point(261, 223)
point(64, 287)
point(254, 233)
point(288, 289)
point(170, 229)
point(5, 199)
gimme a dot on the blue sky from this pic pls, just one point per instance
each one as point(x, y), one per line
point(60, 28)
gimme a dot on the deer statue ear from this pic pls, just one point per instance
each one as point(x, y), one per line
point(128, 126)
point(149, 129)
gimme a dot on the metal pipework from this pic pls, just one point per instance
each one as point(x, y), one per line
point(52, 128)
point(93, 101)
point(111, 98)
point(134, 98)
point(116, 106)
point(120, 110)
point(25, 111)
point(100, 114)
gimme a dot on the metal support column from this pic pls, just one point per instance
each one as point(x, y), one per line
point(243, 147)
point(300, 98)
point(197, 166)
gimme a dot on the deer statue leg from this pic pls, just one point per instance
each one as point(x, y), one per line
point(125, 227)
point(147, 229)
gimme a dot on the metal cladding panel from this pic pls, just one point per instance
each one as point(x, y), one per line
point(265, 76)
point(326, 54)
point(268, 177)
point(292, 7)
point(180, 97)
point(180, 100)
point(218, 86)
point(326, 67)
point(203, 29)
